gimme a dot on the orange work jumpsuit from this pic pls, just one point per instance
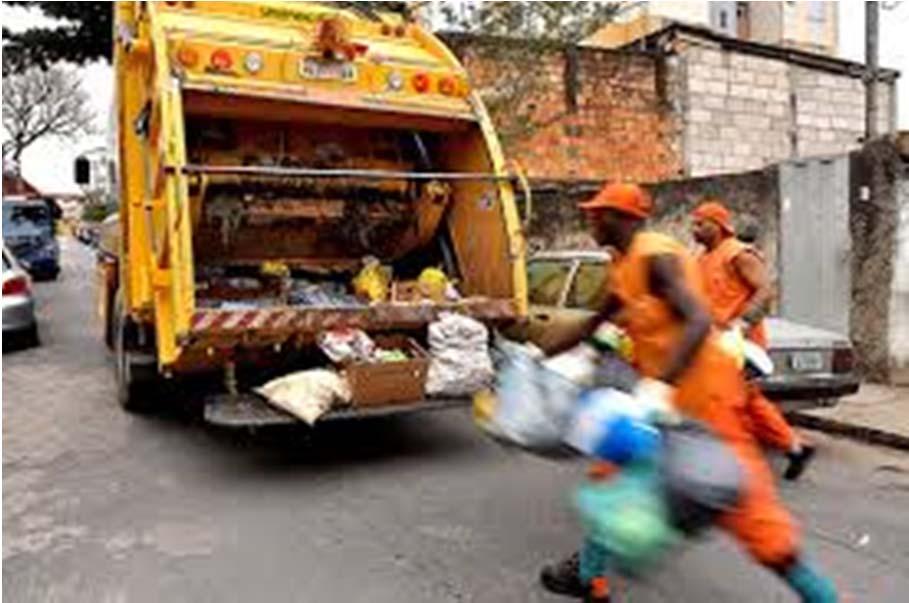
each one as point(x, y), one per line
point(728, 297)
point(712, 390)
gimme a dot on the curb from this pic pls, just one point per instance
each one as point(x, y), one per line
point(863, 433)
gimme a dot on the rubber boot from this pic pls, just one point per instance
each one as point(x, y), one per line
point(592, 569)
point(810, 584)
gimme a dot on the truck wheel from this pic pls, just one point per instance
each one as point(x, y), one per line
point(137, 373)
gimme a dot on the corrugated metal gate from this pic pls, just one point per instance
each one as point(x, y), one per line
point(815, 243)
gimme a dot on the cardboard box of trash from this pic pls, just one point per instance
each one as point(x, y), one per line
point(395, 380)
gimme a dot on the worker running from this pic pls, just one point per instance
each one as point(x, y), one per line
point(738, 293)
point(656, 296)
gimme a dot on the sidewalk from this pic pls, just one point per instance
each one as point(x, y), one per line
point(877, 414)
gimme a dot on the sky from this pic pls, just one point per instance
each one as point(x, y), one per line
point(48, 164)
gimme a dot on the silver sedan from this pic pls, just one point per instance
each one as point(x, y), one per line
point(19, 321)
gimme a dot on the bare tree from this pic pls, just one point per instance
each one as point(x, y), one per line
point(43, 103)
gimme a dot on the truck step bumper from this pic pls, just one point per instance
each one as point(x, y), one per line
point(250, 410)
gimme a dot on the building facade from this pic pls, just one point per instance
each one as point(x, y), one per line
point(806, 25)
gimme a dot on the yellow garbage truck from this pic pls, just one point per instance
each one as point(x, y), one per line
point(266, 155)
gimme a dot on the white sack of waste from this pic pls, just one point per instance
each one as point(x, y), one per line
point(306, 394)
point(459, 364)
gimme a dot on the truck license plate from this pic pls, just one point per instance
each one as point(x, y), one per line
point(327, 70)
point(807, 362)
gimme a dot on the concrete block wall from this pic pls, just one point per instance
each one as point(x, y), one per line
point(742, 112)
point(830, 111)
point(736, 112)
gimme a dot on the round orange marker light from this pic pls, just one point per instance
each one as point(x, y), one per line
point(448, 86)
point(221, 60)
point(188, 56)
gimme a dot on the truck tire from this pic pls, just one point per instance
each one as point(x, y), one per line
point(136, 373)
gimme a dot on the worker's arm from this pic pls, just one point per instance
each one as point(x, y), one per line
point(752, 271)
point(667, 283)
point(610, 307)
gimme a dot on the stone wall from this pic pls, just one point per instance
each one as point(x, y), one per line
point(899, 301)
point(558, 224)
point(876, 177)
point(743, 111)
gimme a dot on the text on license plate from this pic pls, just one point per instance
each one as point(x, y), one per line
point(327, 70)
point(805, 362)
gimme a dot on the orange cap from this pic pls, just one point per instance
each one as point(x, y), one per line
point(717, 213)
point(625, 197)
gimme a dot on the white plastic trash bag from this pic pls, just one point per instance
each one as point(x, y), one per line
point(306, 394)
point(579, 364)
point(459, 364)
point(534, 403)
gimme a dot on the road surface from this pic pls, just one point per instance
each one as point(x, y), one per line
point(100, 506)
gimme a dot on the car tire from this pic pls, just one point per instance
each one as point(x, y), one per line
point(31, 338)
point(136, 372)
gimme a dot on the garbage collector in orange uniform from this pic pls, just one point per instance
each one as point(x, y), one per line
point(738, 292)
point(655, 294)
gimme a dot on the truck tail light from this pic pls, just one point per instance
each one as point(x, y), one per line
point(221, 60)
point(448, 86)
point(18, 285)
point(843, 360)
point(188, 57)
point(421, 82)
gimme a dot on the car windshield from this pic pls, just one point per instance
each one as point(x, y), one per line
point(546, 281)
point(589, 287)
point(25, 220)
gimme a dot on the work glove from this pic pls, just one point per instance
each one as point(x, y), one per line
point(732, 342)
point(657, 398)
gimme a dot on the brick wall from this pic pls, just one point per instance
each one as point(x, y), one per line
point(699, 110)
point(619, 127)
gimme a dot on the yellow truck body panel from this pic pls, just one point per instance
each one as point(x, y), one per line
point(306, 135)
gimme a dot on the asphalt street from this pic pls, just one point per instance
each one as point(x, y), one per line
point(103, 506)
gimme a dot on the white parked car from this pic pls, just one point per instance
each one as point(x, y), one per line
point(565, 287)
point(19, 321)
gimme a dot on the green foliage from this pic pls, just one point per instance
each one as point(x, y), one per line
point(95, 213)
point(84, 34)
point(515, 38)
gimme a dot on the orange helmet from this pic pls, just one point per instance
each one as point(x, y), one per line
point(717, 213)
point(625, 197)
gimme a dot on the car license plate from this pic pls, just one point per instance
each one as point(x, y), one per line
point(327, 70)
point(807, 362)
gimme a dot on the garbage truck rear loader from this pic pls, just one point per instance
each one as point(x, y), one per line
point(264, 150)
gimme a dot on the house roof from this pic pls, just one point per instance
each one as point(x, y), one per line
point(654, 36)
point(15, 184)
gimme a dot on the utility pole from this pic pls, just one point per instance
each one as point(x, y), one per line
point(871, 67)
